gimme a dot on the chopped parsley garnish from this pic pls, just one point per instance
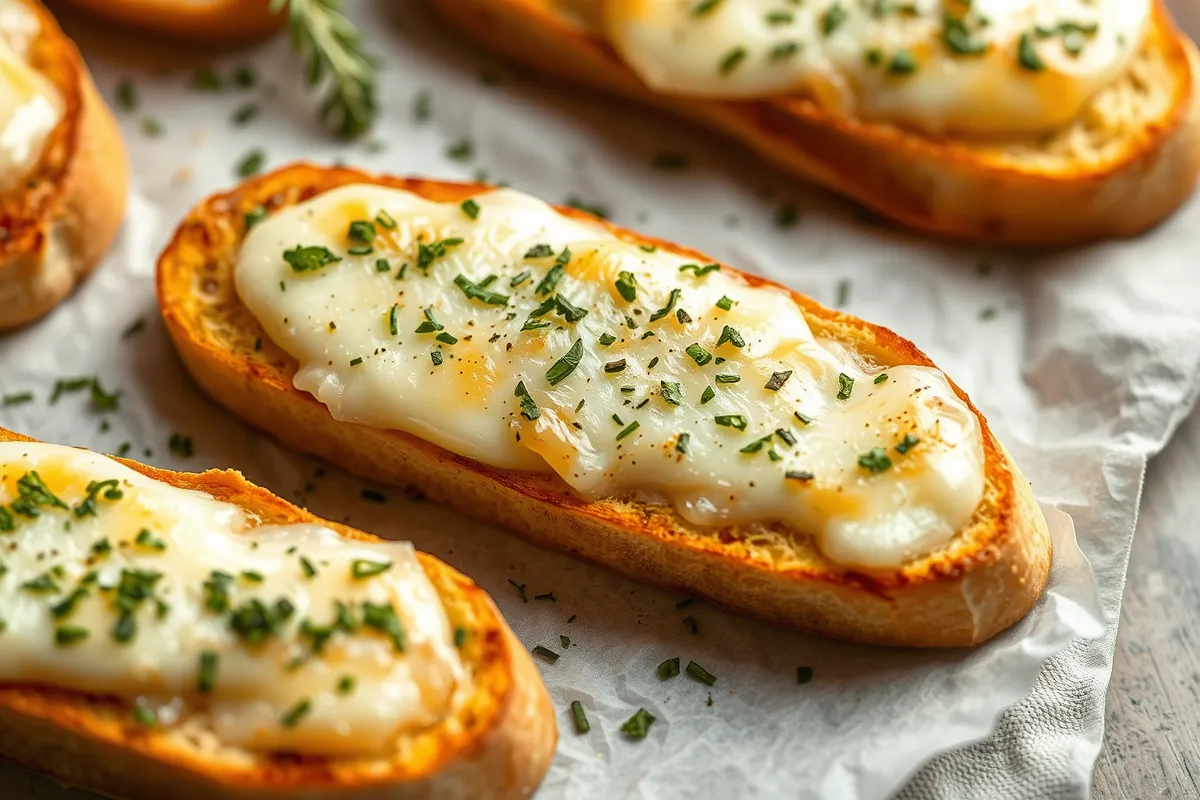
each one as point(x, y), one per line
point(615, 366)
point(880, 378)
point(565, 365)
point(307, 568)
point(208, 672)
point(520, 278)
point(845, 386)
point(67, 635)
point(580, 719)
point(700, 271)
point(447, 338)
point(430, 324)
point(724, 303)
point(460, 636)
point(784, 50)
point(361, 231)
point(606, 339)
point(681, 443)
point(470, 208)
point(875, 461)
point(1027, 54)
point(146, 538)
point(310, 258)
point(958, 38)
point(461, 150)
point(700, 673)
point(383, 618)
point(529, 409)
point(638, 725)
point(832, 19)
point(728, 378)
point(787, 436)
point(757, 445)
point(672, 299)
point(393, 321)
point(628, 429)
point(907, 443)
point(627, 286)
point(254, 216)
point(361, 569)
point(251, 164)
point(778, 379)
point(705, 7)
point(539, 251)
point(668, 669)
point(546, 653)
point(547, 284)
point(671, 392)
point(802, 475)
point(429, 253)
point(354, 362)
point(736, 421)
point(708, 394)
point(731, 335)
point(903, 63)
point(296, 713)
point(732, 60)
point(17, 399)
point(385, 220)
point(698, 354)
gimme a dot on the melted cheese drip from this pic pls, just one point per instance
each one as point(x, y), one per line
point(842, 53)
point(336, 321)
point(254, 687)
point(30, 106)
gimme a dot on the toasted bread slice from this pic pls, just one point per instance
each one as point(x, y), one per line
point(61, 220)
point(1126, 163)
point(210, 21)
point(499, 742)
point(988, 576)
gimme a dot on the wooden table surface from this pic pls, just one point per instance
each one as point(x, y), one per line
point(1152, 735)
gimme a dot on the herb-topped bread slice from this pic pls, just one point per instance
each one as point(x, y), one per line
point(620, 398)
point(1013, 122)
point(194, 636)
point(63, 172)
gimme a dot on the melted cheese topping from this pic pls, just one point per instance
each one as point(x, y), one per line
point(127, 600)
point(30, 106)
point(530, 341)
point(986, 67)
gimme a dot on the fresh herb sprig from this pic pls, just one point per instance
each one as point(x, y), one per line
point(332, 48)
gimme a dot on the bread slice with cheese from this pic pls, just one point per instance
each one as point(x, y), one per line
point(1124, 163)
point(63, 199)
point(209, 21)
point(497, 739)
point(982, 578)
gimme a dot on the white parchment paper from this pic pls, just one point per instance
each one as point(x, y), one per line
point(1084, 361)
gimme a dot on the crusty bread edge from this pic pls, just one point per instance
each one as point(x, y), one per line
point(81, 221)
point(500, 743)
point(941, 600)
point(930, 185)
point(215, 22)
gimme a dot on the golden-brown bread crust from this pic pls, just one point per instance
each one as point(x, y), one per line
point(499, 743)
point(1004, 192)
point(60, 222)
point(216, 21)
point(982, 582)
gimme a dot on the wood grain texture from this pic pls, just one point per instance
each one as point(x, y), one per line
point(1152, 736)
